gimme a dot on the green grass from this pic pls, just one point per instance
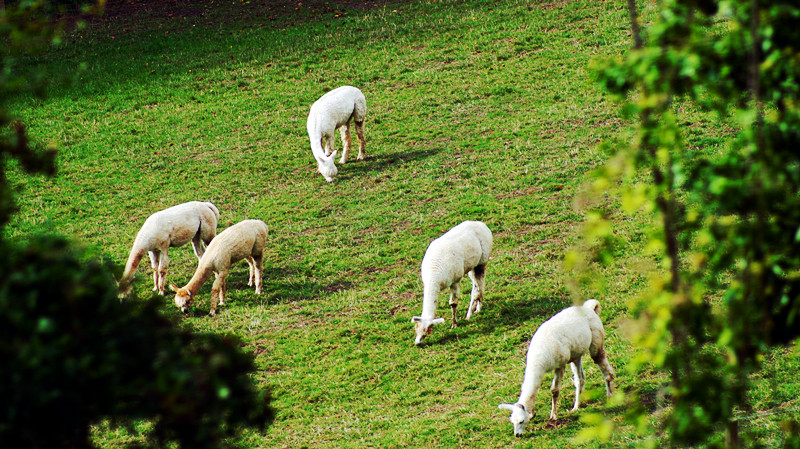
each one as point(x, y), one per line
point(476, 111)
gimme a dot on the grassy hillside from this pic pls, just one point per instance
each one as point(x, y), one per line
point(476, 111)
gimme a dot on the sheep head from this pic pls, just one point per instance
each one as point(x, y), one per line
point(183, 297)
point(424, 327)
point(124, 289)
point(519, 417)
point(327, 168)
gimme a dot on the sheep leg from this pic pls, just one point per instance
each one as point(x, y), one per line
point(214, 296)
point(208, 230)
point(258, 272)
point(163, 264)
point(154, 266)
point(223, 287)
point(362, 142)
point(556, 389)
point(455, 289)
point(577, 379)
point(477, 275)
point(198, 246)
point(346, 141)
point(608, 373)
point(217, 292)
point(329, 143)
point(252, 269)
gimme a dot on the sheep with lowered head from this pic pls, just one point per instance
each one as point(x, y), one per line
point(562, 339)
point(333, 111)
point(463, 249)
point(176, 226)
point(244, 240)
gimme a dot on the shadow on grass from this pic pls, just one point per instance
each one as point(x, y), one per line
point(494, 316)
point(380, 162)
point(279, 285)
point(523, 311)
point(272, 293)
point(287, 292)
point(564, 419)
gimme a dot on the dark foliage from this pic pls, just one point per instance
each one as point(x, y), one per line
point(73, 355)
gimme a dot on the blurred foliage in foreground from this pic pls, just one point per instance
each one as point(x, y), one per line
point(727, 218)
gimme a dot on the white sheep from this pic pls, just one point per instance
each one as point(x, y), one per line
point(463, 249)
point(562, 339)
point(176, 226)
point(333, 111)
point(244, 240)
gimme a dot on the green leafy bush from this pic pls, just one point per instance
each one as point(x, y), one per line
point(72, 354)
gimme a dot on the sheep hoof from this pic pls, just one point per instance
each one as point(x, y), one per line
point(212, 312)
point(454, 326)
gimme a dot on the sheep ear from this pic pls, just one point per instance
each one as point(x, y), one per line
point(333, 155)
point(438, 321)
point(416, 319)
point(173, 288)
point(506, 407)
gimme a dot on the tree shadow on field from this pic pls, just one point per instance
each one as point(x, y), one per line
point(131, 32)
point(380, 162)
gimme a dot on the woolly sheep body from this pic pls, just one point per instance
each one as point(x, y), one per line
point(464, 249)
point(333, 111)
point(561, 340)
point(244, 240)
point(176, 226)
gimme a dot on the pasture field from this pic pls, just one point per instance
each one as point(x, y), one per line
point(477, 110)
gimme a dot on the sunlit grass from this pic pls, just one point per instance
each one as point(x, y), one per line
point(476, 111)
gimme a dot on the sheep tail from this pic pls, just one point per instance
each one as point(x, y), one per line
point(593, 305)
point(213, 209)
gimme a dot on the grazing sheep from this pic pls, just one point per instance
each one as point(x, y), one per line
point(463, 249)
point(562, 339)
point(244, 240)
point(333, 111)
point(194, 221)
